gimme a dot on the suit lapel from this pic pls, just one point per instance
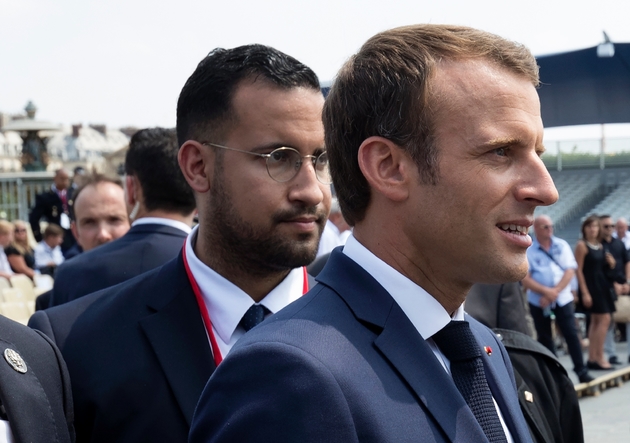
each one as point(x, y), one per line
point(178, 337)
point(401, 344)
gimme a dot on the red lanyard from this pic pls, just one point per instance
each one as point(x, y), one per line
point(216, 352)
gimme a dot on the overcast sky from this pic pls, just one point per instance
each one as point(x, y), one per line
point(123, 63)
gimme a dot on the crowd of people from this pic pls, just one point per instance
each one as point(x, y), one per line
point(188, 310)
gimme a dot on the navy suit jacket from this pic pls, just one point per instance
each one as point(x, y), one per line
point(143, 248)
point(344, 364)
point(138, 356)
point(38, 403)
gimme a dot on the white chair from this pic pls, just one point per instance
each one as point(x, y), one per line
point(24, 285)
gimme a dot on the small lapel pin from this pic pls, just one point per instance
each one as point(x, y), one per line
point(529, 396)
point(488, 350)
point(15, 360)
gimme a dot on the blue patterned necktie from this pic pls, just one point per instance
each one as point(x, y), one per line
point(458, 344)
point(254, 315)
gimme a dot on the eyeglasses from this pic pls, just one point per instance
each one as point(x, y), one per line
point(608, 226)
point(17, 231)
point(547, 226)
point(284, 163)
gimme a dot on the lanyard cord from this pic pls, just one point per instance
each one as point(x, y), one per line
point(216, 352)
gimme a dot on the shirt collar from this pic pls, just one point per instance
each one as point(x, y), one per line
point(163, 221)
point(426, 314)
point(227, 303)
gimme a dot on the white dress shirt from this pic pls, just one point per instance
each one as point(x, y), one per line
point(163, 221)
point(227, 303)
point(426, 314)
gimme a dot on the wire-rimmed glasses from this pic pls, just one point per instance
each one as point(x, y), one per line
point(284, 163)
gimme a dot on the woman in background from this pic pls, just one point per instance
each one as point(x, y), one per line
point(595, 290)
point(20, 252)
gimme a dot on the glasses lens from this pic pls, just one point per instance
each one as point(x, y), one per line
point(322, 169)
point(283, 164)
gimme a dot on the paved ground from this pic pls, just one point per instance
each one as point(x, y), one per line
point(606, 418)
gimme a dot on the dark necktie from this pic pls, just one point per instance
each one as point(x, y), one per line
point(254, 315)
point(458, 344)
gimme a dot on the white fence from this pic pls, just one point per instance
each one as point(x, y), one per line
point(18, 191)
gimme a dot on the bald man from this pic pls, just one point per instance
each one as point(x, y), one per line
point(548, 283)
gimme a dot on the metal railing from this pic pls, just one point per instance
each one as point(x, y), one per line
point(18, 191)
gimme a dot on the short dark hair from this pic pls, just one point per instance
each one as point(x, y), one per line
point(601, 217)
point(152, 158)
point(53, 230)
point(384, 90)
point(92, 179)
point(204, 104)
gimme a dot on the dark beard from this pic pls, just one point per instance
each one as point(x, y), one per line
point(236, 243)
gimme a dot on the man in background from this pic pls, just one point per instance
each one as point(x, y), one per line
point(99, 213)
point(53, 206)
point(252, 150)
point(161, 205)
point(618, 277)
point(621, 231)
point(548, 283)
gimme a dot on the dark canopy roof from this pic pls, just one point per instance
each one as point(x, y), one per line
point(580, 88)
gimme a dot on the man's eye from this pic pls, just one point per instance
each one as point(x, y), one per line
point(501, 151)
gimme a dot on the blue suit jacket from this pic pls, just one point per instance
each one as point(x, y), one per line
point(143, 248)
point(138, 356)
point(344, 364)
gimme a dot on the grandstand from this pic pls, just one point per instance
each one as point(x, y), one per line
point(587, 191)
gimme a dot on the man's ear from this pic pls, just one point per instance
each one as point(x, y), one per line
point(193, 162)
point(130, 191)
point(386, 167)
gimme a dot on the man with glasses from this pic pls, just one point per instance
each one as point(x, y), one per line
point(618, 278)
point(552, 265)
point(252, 150)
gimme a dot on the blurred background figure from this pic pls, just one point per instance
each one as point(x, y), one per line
point(79, 176)
point(548, 283)
point(6, 237)
point(53, 206)
point(621, 231)
point(336, 231)
point(20, 252)
point(595, 293)
point(618, 276)
point(48, 251)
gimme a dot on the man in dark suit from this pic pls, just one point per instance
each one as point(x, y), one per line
point(161, 206)
point(54, 207)
point(434, 133)
point(252, 149)
point(35, 396)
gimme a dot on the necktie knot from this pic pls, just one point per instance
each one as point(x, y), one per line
point(254, 316)
point(457, 342)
